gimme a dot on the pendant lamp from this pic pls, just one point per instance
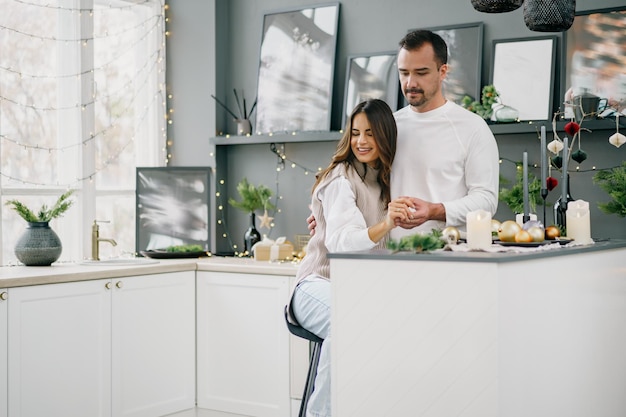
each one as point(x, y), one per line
point(496, 6)
point(549, 15)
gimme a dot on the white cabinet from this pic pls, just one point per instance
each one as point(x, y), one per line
point(119, 347)
point(4, 382)
point(243, 343)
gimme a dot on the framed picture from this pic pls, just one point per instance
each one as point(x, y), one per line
point(370, 76)
point(172, 207)
point(297, 63)
point(523, 72)
point(595, 55)
point(465, 57)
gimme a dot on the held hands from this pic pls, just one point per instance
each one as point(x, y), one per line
point(409, 212)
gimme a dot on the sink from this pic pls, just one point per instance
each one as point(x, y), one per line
point(120, 261)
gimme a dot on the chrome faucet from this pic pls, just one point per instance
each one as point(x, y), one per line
point(96, 239)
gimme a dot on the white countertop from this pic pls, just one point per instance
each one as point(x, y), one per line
point(20, 276)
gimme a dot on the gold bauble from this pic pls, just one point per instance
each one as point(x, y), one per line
point(507, 231)
point(451, 234)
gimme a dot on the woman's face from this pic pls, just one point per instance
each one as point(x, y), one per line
point(363, 144)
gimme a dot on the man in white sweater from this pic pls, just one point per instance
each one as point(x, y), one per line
point(447, 158)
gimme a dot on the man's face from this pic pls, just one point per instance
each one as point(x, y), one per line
point(420, 79)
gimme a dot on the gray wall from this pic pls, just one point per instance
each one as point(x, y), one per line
point(364, 26)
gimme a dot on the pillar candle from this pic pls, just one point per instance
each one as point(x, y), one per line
point(478, 229)
point(578, 221)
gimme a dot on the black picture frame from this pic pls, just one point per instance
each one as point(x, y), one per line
point(296, 68)
point(523, 72)
point(465, 60)
point(595, 56)
point(172, 207)
point(373, 75)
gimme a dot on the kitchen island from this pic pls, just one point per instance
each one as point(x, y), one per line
point(539, 334)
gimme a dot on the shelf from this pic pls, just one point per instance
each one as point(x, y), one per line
point(295, 137)
point(327, 136)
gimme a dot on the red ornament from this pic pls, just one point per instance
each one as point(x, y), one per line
point(551, 183)
point(572, 128)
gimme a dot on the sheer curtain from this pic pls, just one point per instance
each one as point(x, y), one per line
point(82, 104)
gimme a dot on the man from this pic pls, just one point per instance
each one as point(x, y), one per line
point(446, 163)
point(447, 158)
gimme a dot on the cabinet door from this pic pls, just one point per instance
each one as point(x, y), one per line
point(3, 353)
point(243, 343)
point(60, 350)
point(153, 344)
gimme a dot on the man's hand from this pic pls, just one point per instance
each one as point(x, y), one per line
point(311, 224)
point(419, 211)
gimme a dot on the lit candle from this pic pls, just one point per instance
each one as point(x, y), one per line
point(544, 183)
point(578, 221)
point(564, 181)
point(478, 229)
point(525, 185)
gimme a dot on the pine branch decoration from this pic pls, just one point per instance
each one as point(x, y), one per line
point(252, 197)
point(613, 181)
point(44, 214)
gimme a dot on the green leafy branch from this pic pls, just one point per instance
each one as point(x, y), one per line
point(613, 181)
point(252, 197)
point(44, 214)
point(489, 96)
point(419, 242)
point(514, 196)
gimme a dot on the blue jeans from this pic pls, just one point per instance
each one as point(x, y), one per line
point(311, 306)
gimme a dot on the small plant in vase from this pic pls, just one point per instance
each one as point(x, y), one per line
point(40, 245)
point(253, 198)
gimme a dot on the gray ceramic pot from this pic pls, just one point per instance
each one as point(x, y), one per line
point(39, 245)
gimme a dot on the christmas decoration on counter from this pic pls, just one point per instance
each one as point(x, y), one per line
point(613, 181)
point(39, 245)
point(419, 242)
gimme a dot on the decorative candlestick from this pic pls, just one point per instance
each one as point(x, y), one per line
point(544, 177)
point(526, 216)
point(478, 229)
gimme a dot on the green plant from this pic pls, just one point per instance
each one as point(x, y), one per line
point(44, 214)
point(483, 107)
point(514, 196)
point(418, 242)
point(252, 197)
point(613, 181)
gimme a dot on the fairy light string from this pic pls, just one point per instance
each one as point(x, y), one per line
point(136, 82)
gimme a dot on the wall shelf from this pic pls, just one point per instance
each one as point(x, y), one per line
point(276, 138)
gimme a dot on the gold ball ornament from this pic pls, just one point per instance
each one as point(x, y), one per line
point(495, 225)
point(451, 234)
point(507, 231)
point(537, 233)
point(523, 236)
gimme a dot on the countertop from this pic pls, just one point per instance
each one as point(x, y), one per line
point(20, 276)
point(478, 256)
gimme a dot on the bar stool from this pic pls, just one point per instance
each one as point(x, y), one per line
point(315, 347)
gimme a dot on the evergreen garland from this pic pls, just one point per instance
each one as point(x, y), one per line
point(613, 181)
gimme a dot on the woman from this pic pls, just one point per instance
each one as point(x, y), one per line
point(349, 202)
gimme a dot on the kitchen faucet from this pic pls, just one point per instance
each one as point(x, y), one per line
point(96, 239)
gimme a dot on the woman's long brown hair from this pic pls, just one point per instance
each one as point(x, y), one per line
point(385, 134)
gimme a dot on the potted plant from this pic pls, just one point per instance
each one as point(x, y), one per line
point(252, 198)
point(39, 245)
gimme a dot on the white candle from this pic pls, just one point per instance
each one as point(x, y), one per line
point(525, 184)
point(578, 221)
point(544, 177)
point(478, 229)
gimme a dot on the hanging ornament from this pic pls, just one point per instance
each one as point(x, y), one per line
point(579, 155)
point(555, 146)
point(266, 220)
point(496, 6)
point(557, 161)
point(551, 183)
point(572, 128)
point(617, 139)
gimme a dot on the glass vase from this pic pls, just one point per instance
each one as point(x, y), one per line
point(251, 236)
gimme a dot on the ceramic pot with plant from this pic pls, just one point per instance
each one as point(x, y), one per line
point(39, 245)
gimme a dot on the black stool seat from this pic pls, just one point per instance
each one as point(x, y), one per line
point(315, 347)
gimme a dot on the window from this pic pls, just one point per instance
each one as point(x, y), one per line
point(82, 104)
